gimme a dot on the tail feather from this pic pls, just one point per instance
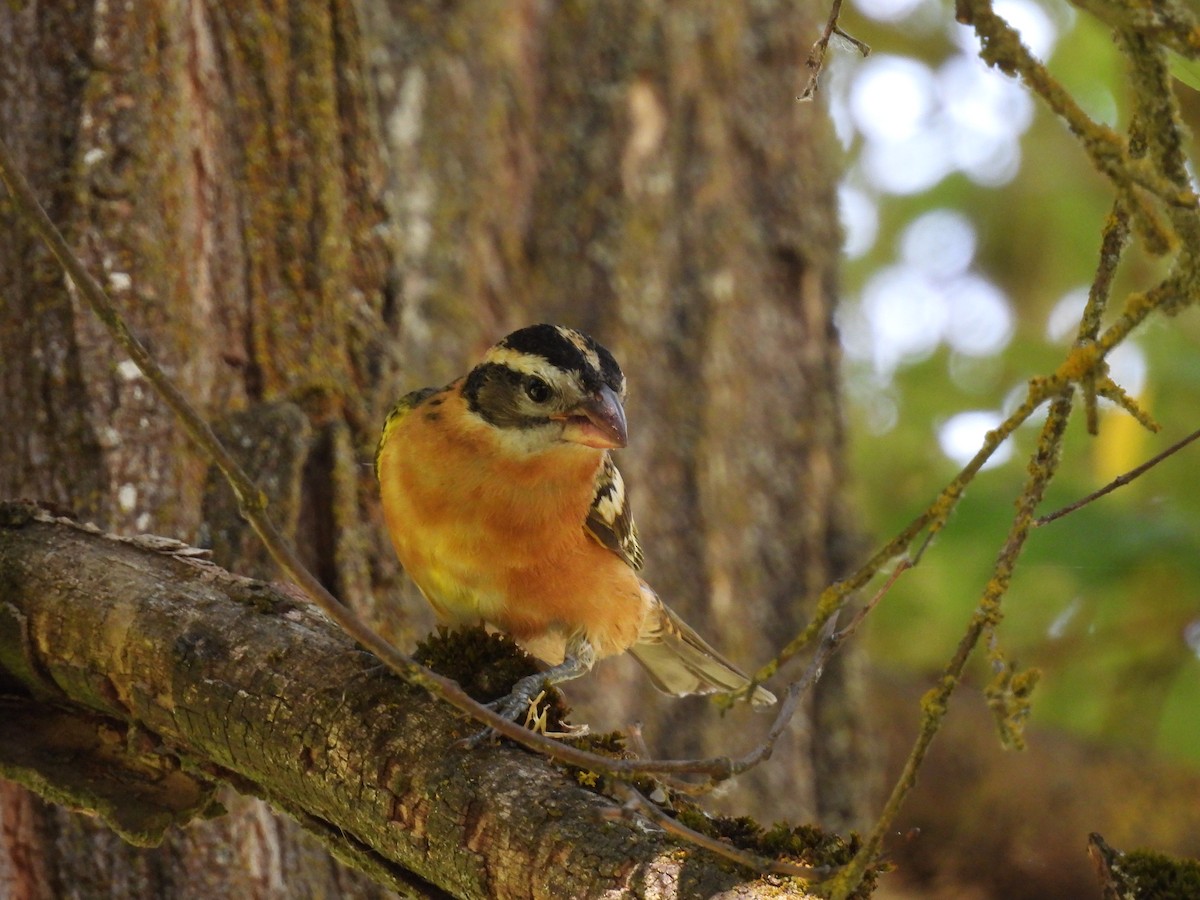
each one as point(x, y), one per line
point(680, 662)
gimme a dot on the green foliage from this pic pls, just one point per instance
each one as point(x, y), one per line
point(1103, 598)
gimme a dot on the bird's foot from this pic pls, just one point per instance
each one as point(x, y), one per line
point(536, 711)
point(537, 718)
point(521, 700)
point(577, 660)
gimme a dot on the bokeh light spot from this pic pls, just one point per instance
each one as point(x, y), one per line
point(961, 436)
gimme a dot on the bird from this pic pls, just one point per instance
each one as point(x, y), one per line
point(504, 506)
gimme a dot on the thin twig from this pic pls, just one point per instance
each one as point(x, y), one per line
point(987, 613)
point(1156, 133)
point(1119, 481)
point(816, 56)
point(925, 545)
point(830, 642)
point(901, 567)
point(933, 519)
point(719, 769)
point(1113, 243)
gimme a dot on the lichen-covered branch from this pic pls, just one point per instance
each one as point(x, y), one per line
point(159, 671)
point(1137, 180)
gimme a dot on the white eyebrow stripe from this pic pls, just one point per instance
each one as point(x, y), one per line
point(528, 364)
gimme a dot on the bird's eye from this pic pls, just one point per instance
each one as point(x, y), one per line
point(537, 390)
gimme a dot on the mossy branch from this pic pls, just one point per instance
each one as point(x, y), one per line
point(142, 677)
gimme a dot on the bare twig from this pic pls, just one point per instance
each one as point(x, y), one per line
point(831, 641)
point(1119, 481)
point(816, 56)
point(903, 566)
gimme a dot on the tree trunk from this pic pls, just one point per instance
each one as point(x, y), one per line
point(213, 166)
point(308, 210)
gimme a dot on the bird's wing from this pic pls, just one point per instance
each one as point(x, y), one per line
point(609, 520)
point(403, 407)
point(681, 662)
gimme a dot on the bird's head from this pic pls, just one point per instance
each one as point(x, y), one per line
point(550, 384)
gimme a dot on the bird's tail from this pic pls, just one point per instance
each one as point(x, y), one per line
point(680, 662)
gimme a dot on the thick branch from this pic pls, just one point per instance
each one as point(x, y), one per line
point(186, 675)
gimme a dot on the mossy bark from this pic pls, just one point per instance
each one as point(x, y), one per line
point(307, 210)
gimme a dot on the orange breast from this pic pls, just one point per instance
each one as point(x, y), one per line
point(496, 537)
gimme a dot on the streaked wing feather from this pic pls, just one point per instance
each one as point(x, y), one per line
point(609, 520)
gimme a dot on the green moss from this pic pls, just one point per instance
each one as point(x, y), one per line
point(607, 743)
point(263, 598)
point(741, 831)
point(1162, 877)
point(806, 845)
point(610, 744)
point(486, 666)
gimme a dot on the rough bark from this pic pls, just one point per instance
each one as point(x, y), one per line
point(213, 165)
point(309, 209)
point(139, 677)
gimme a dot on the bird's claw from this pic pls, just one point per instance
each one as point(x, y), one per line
point(521, 700)
point(528, 692)
point(536, 720)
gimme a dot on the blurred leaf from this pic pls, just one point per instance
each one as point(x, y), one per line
point(1185, 70)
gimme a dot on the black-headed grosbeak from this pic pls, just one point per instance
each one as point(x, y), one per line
point(505, 508)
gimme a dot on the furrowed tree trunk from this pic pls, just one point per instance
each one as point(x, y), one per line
point(306, 210)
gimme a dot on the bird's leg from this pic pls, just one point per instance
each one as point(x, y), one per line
point(578, 659)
